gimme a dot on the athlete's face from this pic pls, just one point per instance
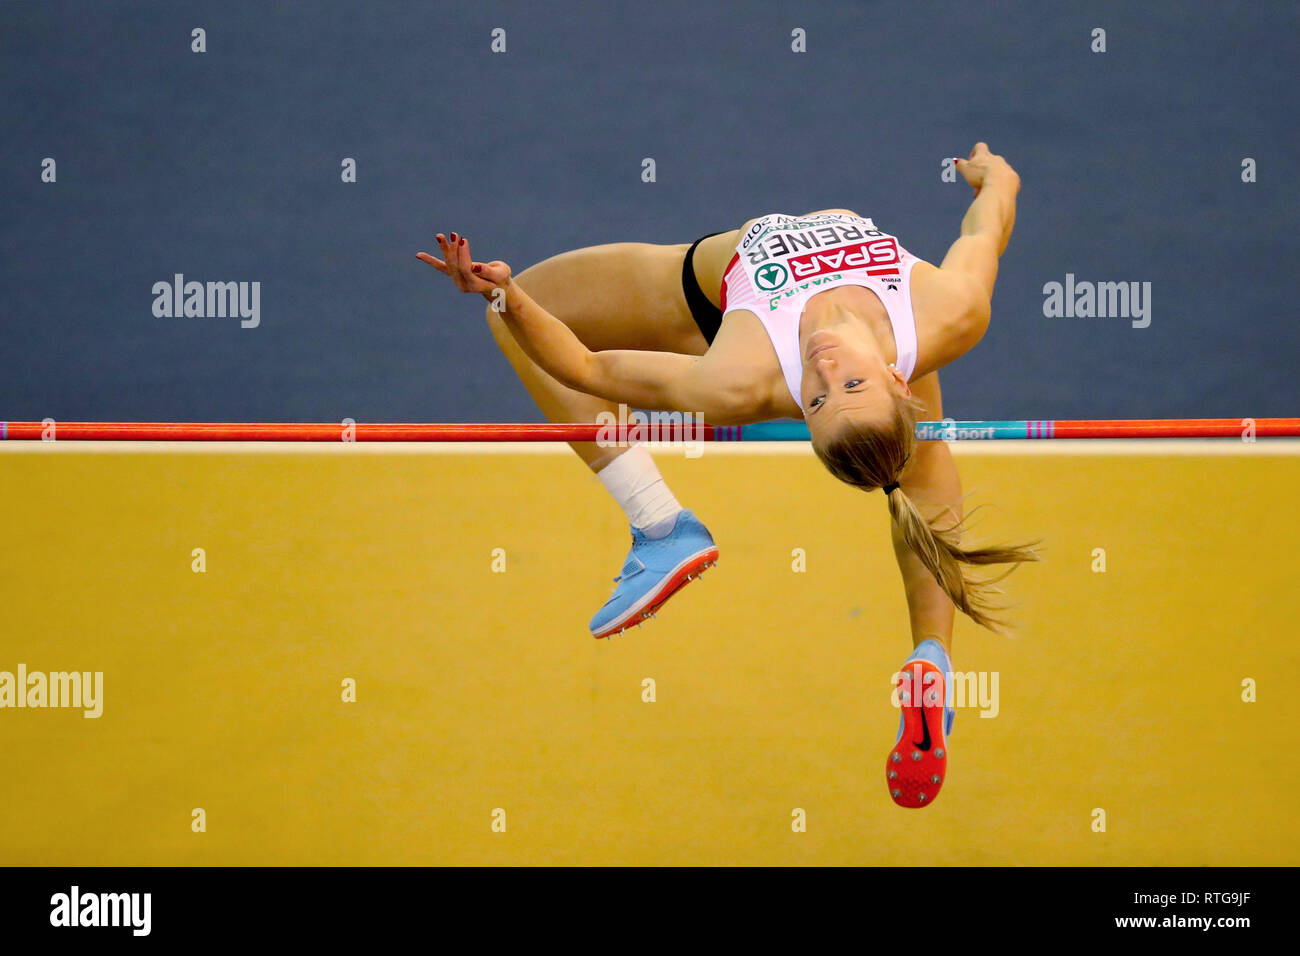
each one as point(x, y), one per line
point(846, 379)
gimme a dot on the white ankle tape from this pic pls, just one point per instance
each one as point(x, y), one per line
point(635, 483)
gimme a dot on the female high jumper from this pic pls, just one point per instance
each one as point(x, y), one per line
point(822, 317)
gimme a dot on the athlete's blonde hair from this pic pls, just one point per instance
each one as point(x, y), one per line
point(870, 457)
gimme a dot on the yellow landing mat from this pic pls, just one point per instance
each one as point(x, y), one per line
point(480, 696)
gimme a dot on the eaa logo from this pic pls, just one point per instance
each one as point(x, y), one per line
point(771, 277)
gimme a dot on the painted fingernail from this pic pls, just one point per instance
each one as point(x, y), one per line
point(478, 268)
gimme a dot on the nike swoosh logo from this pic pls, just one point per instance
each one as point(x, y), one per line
point(924, 744)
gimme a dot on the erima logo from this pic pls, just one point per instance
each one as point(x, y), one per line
point(102, 909)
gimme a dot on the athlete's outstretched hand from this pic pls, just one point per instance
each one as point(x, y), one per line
point(983, 166)
point(470, 276)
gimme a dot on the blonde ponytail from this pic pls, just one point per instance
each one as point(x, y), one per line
point(871, 458)
point(939, 550)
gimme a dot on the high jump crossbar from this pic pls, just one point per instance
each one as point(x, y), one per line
point(662, 427)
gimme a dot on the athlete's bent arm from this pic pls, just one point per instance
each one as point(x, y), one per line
point(669, 381)
point(972, 261)
point(723, 393)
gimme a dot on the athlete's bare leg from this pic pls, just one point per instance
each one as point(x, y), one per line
point(625, 296)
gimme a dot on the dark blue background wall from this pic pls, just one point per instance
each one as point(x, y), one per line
point(225, 166)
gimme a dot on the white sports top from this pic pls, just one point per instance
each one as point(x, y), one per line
point(783, 261)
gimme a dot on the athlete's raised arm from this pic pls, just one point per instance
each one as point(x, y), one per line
point(986, 227)
point(668, 381)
